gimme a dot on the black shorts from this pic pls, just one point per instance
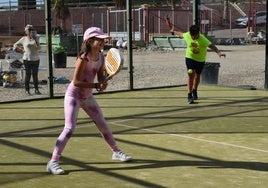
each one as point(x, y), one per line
point(194, 65)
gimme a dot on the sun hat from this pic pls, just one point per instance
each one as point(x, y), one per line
point(28, 27)
point(95, 32)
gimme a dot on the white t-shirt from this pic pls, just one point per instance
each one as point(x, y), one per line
point(31, 49)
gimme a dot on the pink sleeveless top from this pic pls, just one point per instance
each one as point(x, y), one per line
point(88, 76)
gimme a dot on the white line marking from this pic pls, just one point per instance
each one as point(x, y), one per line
point(190, 137)
point(185, 136)
point(156, 131)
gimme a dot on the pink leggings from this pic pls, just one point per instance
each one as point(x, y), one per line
point(71, 109)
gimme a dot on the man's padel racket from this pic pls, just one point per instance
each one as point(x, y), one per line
point(113, 63)
point(168, 23)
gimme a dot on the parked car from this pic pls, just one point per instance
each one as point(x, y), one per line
point(260, 19)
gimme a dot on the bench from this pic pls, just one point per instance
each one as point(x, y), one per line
point(169, 42)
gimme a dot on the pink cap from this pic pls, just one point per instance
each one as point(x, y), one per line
point(95, 32)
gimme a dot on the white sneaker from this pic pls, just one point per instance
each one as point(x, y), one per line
point(53, 167)
point(120, 155)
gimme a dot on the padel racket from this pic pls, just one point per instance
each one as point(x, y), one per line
point(168, 23)
point(113, 63)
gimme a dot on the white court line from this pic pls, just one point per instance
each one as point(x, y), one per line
point(155, 131)
point(149, 130)
point(192, 138)
point(185, 136)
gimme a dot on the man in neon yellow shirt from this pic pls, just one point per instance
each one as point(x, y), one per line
point(195, 58)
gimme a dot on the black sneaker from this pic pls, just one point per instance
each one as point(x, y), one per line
point(37, 92)
point(27, 93)
point(195, 96)
point(190, 98)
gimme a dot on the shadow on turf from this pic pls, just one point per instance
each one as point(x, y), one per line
point(149, 164)
point(77, 163)
point(202, 162)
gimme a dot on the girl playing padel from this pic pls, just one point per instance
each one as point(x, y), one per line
point(89, 64)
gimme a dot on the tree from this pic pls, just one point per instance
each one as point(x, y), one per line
point(171, 2)
point(63, 14)
point(120, 4)
point(225, 11)
point(26, 5)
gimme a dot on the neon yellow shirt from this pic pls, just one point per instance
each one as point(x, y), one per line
point(196, 49)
